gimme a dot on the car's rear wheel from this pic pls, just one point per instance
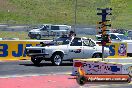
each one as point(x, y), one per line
point(56, 59)
point(31, 37)
point(97, 55)
point(38, 37)
point(36, 60)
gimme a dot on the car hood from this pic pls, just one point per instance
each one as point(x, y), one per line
point(34, 47)
point(127, 41)
point(44, 44)
point(45, 47)
point(56, 47)
point(35, 30)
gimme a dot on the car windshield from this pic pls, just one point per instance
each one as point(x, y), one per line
point(38, 27)
point(122, 37)
point(62, 41)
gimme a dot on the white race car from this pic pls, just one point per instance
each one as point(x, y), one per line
point(65, 48)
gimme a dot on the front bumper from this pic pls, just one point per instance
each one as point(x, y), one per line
point(35, 53)
point(32, 35)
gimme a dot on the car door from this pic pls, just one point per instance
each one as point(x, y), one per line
point(89, 47)
point(45, 31)
point(75, 49)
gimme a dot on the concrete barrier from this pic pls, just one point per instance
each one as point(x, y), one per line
point(15, 49)
point(109, 66)
point(96, 67)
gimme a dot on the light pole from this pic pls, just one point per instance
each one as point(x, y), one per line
point(75, 21)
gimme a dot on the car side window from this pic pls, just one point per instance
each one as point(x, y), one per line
point(55, 28)
point(76, 42)
point(113, 37)
point(88, 42)
point(91, 43)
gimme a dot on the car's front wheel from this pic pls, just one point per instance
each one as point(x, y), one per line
point(31, 37)
point(97, 55)
point(36, 60)
point(56, 59)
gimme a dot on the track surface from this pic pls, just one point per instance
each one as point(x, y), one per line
point(11, 68)
point(23, 74)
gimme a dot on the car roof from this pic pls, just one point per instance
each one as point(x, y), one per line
point(60, 25)
point(116, 33)
point(74, 37)
point(46, 24)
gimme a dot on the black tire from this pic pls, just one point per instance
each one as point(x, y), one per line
point(56, 59)
point(31, 37)
point(81, 80)
point(129, 79)
point(38, 37)
point(36, 61)
point(97, 55)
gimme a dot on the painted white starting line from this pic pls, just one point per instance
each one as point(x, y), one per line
point(29, 75)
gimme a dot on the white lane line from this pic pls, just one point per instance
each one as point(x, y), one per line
point(106, 85)
point(29, 75)
point(14, 60)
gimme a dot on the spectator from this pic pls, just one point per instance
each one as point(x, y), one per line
point(72, 34)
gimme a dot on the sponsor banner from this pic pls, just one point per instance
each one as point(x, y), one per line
point(117, 50)
point(127, 69)
point(81, 80)
point(15, 49)
point(96, 67)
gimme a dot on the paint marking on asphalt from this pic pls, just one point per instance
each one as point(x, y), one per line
point(124, 63)
point(28, 75)
point(12, 60)
point(107, 85)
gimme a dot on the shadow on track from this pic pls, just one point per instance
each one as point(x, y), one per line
point(46, 64)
